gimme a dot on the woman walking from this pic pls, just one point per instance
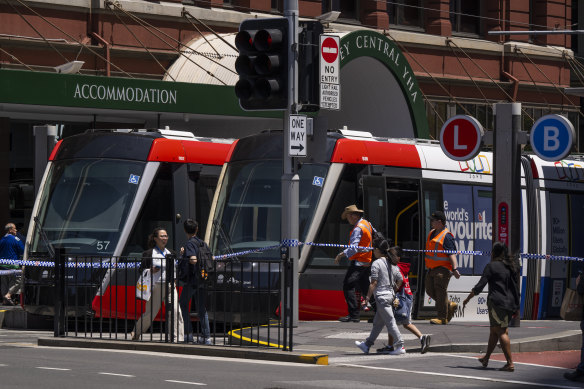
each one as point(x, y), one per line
point(155, 259)
point(501, 274)
point(385, 280)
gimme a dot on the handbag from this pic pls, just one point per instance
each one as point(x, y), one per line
point(144, 286)
point(572, 306)
point(402, 311)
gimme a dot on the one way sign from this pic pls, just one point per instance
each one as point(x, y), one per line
point(297, 136)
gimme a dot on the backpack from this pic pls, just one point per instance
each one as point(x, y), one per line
point(205, 262)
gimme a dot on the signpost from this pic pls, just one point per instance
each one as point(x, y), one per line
point(297, 136)
point(330, 88)
point(460, 137)
point(552, 137)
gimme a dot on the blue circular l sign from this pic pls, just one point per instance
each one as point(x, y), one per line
point(552, 137)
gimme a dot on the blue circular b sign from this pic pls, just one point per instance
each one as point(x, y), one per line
point(552, 137)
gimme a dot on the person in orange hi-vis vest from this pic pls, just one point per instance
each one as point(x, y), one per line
point(357, 275)
point(441, 266)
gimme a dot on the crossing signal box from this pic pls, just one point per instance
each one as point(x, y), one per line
point(262, 64)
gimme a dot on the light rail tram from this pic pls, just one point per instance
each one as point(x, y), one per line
point(398, 183)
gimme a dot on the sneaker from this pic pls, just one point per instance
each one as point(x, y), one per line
point(362, 346)
point(205, 341)
point(385, 349)
point(451, 310)
point(348, 318)
point(189, 338)
point(425, 341)
point(575, 375)
point(438, 321)
point(399, 351)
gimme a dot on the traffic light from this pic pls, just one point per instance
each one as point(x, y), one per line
point(262, 64)
point(308, 65)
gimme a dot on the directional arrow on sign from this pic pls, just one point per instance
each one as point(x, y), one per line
point(299, 148)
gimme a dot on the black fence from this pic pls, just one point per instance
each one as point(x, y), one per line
point(116, 298)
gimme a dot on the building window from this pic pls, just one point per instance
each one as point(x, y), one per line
point(405, 13)
point(276, 5)
point(465, 16)
point(348, 8)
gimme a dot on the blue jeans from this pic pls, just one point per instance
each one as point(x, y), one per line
point(201, 297)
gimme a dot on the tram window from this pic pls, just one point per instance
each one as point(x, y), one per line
point(335, 230)
point(85, 202)
point(156, 212)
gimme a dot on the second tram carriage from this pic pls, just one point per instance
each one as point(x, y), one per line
point(398, 182)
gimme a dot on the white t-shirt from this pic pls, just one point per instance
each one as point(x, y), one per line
point(159, 260)
point(385, 284)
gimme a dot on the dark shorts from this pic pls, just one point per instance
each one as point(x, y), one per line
point(498, 317)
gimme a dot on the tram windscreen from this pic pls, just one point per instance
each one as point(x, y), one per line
point(248, 213)
point(85, 203)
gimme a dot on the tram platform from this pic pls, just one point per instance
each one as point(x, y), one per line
point(319, 342)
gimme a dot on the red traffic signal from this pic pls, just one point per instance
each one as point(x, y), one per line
point(262, 64)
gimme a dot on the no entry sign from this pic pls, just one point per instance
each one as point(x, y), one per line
point(329, 50)
point(330, 88)
point(460, 137)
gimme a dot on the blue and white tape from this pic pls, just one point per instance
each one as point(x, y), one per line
point(112, 264)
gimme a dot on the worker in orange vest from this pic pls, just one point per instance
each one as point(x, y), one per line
point(357, 276)
point(441, 266)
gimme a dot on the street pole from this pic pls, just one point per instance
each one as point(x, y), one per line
point(290, 179)
point(507, 141)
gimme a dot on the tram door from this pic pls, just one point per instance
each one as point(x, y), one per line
point(391, 204)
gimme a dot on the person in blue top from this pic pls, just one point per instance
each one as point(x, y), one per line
point(11, 247)
point(193, 286)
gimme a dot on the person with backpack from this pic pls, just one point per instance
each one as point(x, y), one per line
point(385, 280)
point(192, 272)
point(403, 304)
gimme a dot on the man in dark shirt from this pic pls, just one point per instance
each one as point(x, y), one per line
point(193, 286)
point(11, 247)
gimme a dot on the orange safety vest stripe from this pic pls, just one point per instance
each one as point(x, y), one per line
point(436, 259)
point(366, 240)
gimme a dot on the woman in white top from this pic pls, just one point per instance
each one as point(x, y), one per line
point(385, 280)
point(155, 259)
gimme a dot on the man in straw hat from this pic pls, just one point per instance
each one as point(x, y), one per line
point(357, 275)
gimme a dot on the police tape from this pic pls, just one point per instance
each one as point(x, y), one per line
point(112, 263)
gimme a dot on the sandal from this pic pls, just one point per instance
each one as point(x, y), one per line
point(507, 367)
point(484, 361)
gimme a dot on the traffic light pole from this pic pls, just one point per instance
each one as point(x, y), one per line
point(507, 142)
point(290, 179)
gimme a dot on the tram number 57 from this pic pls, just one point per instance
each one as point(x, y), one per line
point(102, 245)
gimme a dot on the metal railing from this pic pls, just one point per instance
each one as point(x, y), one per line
point(98, 297)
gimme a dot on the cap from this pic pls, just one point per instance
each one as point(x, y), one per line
point(350, 209)
point(438, 215)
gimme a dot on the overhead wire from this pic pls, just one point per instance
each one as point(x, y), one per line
point(164, 69)
point(74, 39)
point(16, 59)
point(491, 78)
point(36, 30)
point(148, 27)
